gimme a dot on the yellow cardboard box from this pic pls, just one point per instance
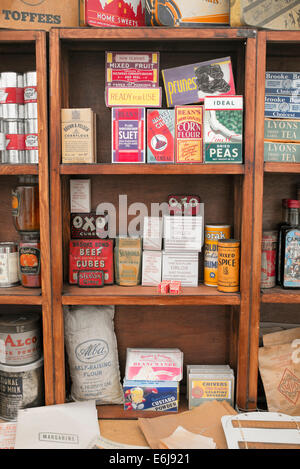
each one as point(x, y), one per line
point(38, 14)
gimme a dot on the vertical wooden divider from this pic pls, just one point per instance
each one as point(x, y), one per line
point(56, 215)
point(242, 398)
point(41, 68)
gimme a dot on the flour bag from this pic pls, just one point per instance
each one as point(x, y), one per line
point(92, 351)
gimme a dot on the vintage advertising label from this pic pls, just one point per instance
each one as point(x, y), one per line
point(283, 83)
point(88, 225)
point(132, 69)
point(186, 13)
point(151, 274)
point(189, 134)
point(282, 130)
point(279, 15)
point(189, 84)
point(121, 13)
point(183, 233)
point(283, 107)
point(212, 235)
point(78, 139)
point(145, 97)
point(91, 255)
point(128, 135)
point(182, 267)
point(282, 152)
point(223, 129)
point(291, 277)
point(154, 364)
point(158, 396)
point(160, 136)
point(8, 435)
point(152, 233)
point(128, 261)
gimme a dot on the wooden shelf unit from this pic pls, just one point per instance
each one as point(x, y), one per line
point(208, 326)
point(276, 51)
point(23, 51)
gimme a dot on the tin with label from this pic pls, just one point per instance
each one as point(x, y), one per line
point(31, 141)
point(20, 338)
point(14, 141)
point(30, 87)
point(212, 235)
point(13, 111)
point(91, 278)
point(21, 387)
point(228, 265)
point(268, 259)
point(31, 111)
point(30, 260)
point(11, 88)
point(9, 261)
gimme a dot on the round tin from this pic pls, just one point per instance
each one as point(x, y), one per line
point(12, 91)
point(14, 141)
point(9, 265)
point(268, 259)
point(20, 338)
point(31, 110)
point(228, 265)
point(31, 141)
point(13, 111)
point(21, 387)
point(30, 87)
point(212, 234)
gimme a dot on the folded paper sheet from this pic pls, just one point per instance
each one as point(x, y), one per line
point(182, 439)
point(62, 426)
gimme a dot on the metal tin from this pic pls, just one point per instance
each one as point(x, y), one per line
point(14, 152)
point(228, 265)
point(30, 87)
point(268, 259)
point(30, 260)
point(20, 338)
point(13, 111)
point(31, 141)
point(213, 233)
point(11, 88)
point(31, 111)
point(21, 387)
point(91, 279)
point(88, 225)
point(9, 265)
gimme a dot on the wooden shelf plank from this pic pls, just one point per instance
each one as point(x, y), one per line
point(117, 412)
point(280, 295)
point(20, 295)
point(139, 295)
point(282, 167)
point(151, 169)
point(18, 169)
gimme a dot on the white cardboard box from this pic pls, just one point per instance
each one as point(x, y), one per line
point(183, 233)
point(152, 261)
point(80, 195)
point(152, 233)
point(182, 266)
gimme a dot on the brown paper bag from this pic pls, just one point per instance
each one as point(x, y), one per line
point(204, 420)
point(279, 366)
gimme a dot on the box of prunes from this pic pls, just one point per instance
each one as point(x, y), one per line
point(189, 84)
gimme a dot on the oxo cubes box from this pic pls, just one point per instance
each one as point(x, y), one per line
point(128, 135)
point(91, 255)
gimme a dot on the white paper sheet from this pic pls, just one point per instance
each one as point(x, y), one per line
point(62, 426)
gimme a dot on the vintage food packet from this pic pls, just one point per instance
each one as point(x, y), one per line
point(128, 261)
point(160, 135)
point(279, 366)
point(154, 364)
point(132, 69)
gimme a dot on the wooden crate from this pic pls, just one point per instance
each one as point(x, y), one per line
point(23, 51)
point(209, 326)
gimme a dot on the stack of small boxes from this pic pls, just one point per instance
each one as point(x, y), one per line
point(209, 382)
point(152, 379)
point(282, 117)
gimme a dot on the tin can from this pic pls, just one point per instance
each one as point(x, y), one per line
point(2, 135)
point(31, 111)
point(30, 260)
point(13, 111)
point(31, 141)
point(20, 338)
point(21, 387)
point(212, 234)
point(14, 141)
point(30, 87)
point(9, 265)
point(11, 88)
point(228, 265)
point(268, 259)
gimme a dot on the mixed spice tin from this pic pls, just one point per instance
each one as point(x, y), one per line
point(228, 265)
point(212, 235)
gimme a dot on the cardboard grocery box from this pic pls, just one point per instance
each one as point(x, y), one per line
point(279, 15)
point(39, 14)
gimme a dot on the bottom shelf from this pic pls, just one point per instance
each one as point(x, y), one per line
point(117, 412)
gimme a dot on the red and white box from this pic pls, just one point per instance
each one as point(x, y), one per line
point(164, 287)
point(175, 288)
point(154, 364)
point(91, 255)
point(119, 13)
point(128, 135)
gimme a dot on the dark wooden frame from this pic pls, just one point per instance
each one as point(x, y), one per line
point(36, 297)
